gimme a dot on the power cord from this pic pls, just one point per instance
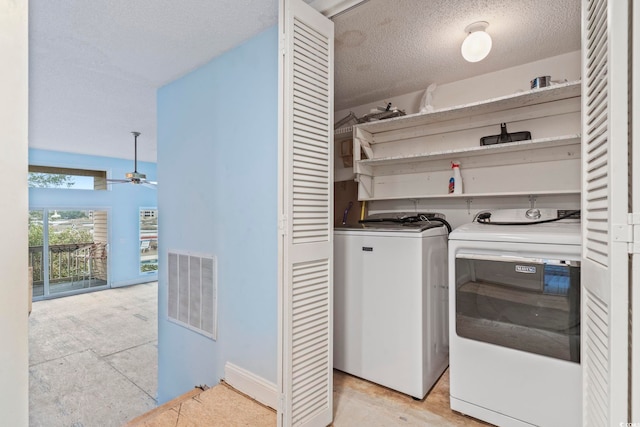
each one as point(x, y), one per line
point(446, 224)
point(408, 220)
point(485, 218)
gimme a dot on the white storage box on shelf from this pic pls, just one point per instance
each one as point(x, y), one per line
point(410, 156)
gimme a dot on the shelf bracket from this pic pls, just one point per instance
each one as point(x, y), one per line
point(368, 151)
point(360, 140)
point(469, 201)
point(532, 201)
point(365, 185)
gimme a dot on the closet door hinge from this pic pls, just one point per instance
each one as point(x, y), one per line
point(282, 226)
point(629, 233)
point(281, 403)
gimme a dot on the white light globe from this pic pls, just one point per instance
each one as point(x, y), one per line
point(476, 46)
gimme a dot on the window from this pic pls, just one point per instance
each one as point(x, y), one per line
point(148, 240)
point(67, 178)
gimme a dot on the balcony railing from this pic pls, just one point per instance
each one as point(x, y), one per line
point(69, 262)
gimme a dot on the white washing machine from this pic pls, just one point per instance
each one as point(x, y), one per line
point(514, 294)
point(390, 304)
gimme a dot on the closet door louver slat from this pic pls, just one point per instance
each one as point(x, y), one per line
point(604, 207)
point(307, 216)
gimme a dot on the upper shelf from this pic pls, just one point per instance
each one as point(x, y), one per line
point(534, 144)
point(467, 196)
point(507, 102)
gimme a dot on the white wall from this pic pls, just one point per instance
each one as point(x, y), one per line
point(491, 85)
point(14, 369)
point(485, 86)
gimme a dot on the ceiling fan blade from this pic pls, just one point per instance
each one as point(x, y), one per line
point(150, 184)
point(118, 181)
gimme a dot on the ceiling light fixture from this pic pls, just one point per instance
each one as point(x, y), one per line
point(477, 45)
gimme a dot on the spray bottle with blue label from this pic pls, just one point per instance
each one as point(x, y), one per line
point(455, 182)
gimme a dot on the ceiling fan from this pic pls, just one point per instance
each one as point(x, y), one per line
point(135, 177)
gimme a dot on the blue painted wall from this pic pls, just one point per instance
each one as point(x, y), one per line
point(217, 161)
point(122, 202)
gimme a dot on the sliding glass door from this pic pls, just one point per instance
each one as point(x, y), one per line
point(68, 251)
point(36, 251)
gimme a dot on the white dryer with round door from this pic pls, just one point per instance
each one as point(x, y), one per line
point(514, 315)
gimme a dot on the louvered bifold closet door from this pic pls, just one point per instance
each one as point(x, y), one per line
point(604, 212)
point(306, 216)
point(634, 177)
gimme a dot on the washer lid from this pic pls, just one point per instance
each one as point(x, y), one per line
point(409, 227)
point(405, 222)
point(558, 233)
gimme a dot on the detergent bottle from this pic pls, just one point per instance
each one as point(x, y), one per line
point(455, 182)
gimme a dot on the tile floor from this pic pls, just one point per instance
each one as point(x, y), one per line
point(68, 287)
point(93, 362)
point(93, 358)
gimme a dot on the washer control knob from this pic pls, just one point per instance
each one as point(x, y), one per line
point(533, 214)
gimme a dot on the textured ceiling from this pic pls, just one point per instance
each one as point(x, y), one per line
point(95, 65)
point(385, 48)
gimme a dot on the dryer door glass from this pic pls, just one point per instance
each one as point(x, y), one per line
point(531, 305)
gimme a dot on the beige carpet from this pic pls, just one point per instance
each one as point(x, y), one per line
point(217, 406)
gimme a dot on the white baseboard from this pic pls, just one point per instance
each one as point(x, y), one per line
point(252, 385)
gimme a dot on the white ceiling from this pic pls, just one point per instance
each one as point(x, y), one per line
point(95, 65)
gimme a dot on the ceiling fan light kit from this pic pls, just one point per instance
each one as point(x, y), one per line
point(477, 45)
point(135, 177)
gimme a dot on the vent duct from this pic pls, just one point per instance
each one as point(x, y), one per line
point(193, 291)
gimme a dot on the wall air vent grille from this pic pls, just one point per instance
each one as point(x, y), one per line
point(192, 293)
